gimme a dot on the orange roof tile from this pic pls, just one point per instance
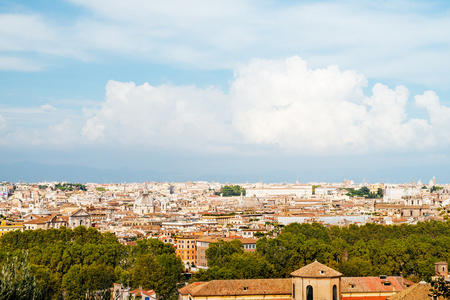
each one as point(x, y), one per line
point(418, 291)
point(374, 284)
point(241, 287)
point(316, 269)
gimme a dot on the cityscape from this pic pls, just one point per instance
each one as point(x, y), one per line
point(195, 217)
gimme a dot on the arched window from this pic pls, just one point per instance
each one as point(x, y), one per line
point(293, 290)
point(335, 292)
point(309, 292)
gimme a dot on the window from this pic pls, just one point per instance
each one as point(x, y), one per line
point(245, 288)
point(309, 293)
point(293, 290)
point(335, 292)
point(322, 272)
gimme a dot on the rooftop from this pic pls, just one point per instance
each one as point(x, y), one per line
point(316, 269)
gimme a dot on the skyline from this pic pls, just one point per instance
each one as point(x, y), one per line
point(299, 90)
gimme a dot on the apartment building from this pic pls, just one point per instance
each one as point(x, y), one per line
point(186, 249)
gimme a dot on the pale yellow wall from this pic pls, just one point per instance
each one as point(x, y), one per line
point(6, 228)
point(322, 287)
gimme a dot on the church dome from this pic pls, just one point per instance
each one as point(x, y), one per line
point(144, 200)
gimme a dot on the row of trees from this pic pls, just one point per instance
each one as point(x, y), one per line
point(83, 262)
point(71, 187)
point(369, 250)
point(365, 192)
point(230, 190)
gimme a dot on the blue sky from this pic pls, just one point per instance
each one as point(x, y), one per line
point(309, 90)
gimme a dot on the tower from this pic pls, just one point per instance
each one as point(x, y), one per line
point(315, 282)
point(441, 269)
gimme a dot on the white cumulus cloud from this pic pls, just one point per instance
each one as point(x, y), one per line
point(181, 116)
point(439, 116)
point(279, 104)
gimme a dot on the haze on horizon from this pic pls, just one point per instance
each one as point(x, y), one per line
point(235, 90)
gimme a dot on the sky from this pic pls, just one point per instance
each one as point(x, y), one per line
point(277, 91)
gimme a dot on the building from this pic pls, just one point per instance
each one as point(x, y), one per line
point(297, 190)
point(9, 226)
point(312, 282)
point(316, 281)
point(238, 289)
point(33, 222)
point(80, 218)
point(441, 269)
point(372, 288)
point(186, 250)
point(144, 204)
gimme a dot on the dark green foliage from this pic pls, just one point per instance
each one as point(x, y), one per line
point(219, 254)
point(156, 267)
point(227, 260)
point(71, 187)
point(82, 282)
point(436, 188)
point(84, 263)
point(440, 288)
point(230, 190)
point(17, 281)
point(369, 250)
point(364, 192)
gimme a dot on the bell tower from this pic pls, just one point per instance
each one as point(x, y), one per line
point(441, 269)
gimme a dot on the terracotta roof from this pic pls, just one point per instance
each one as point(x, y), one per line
point(418, 291)
point(374, 284)
point(186, 289)
point(316, 269)
point(36, 221)
point(240, 287)
point(441, 263)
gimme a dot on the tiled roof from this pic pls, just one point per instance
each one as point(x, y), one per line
point(418, 291)
point(374, 284)
point(240, 287)
point(186, 289)
point(35, 221)
point(316, 270)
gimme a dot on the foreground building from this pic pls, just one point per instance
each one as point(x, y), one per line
point(312, 282)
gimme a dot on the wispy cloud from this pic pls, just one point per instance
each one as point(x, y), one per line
point(407, 40)
point(8, 63)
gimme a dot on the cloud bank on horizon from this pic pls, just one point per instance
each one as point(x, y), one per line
point(272, 105)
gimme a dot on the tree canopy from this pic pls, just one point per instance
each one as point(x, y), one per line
point(368, 250)
point(230, 190)
point(84, 263)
